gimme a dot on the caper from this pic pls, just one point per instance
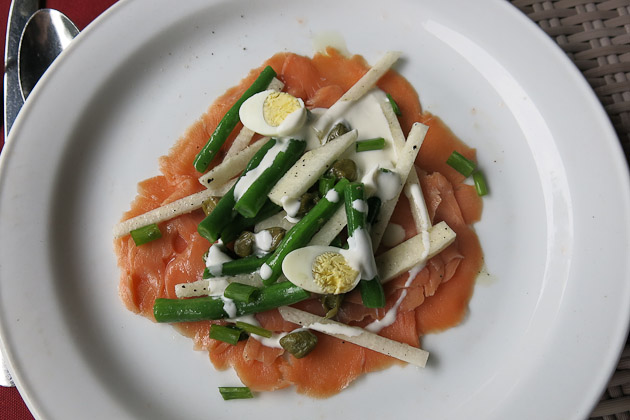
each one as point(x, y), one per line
point(344, 168)
point(338, 130)
point(277, 234)
point(331, 304)
point(299, 343)
point(244, 244)
point(209, 204)
point(307, 202)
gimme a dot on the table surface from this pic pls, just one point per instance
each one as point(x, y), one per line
point(12, 406)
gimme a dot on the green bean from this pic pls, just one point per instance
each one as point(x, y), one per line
point(211, 307)
point(252, 200)
point(240, 292)
point(214, 223)
point(243, 265)
point(372, 292)
point(367, 145)
point(240, 223)
point(326, 182)
point(302, 232)
point(227, 334)
point(356, 219)
point(229, 121)
point(240, 266)
point(254, 329)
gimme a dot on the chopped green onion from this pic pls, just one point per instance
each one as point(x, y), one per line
point(240, 292)
point(480, 183)
point(235, 392)
point(394, 105)
point(228, 334)
point(370, 144)
point(253, 329)
point(461, 164)
point(146, 234)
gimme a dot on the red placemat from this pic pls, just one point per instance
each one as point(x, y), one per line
point(12, 406)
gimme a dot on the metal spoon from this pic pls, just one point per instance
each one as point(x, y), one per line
point(46, 34)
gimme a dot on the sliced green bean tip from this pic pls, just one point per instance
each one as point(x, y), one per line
point(146, 234)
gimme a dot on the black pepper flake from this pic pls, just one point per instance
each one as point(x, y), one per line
point(183, 286)
point(194, 290)
point(415, 147)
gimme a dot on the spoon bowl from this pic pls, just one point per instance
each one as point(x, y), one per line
point(46, 34)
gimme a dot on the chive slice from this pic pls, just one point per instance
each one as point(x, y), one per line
point(146, 234)
point(253, 329)
point(480, 183)
point(377, 143)
point(461, 164)
point(394, 105)
point(240, 292)
point(229, 335)
point(235, 392)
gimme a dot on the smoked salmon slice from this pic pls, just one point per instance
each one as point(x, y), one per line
point(435, 299)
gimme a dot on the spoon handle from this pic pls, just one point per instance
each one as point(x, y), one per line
point(20, 12)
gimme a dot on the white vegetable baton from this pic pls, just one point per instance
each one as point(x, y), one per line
point(307, 170)
point(168, 211)
point(405, 162)
point(405, 256)
point(357, 336)
point(231, 167)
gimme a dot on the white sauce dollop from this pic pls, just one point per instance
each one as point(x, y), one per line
point(216, 258)
point(332, 196)
point(360, 206)
point(262, 242)
point(265, 271)
point(360, 255)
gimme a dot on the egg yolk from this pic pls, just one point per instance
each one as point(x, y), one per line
point(277, 106)
point(333, 274)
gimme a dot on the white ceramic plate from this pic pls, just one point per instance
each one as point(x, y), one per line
point(544, 330)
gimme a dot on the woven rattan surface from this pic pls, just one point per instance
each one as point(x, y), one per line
point(596, 36)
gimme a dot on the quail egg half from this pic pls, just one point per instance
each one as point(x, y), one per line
point(273, 113)
point(321, 269)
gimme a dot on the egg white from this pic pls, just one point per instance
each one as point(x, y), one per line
point(297, 267)
point(252, 117)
